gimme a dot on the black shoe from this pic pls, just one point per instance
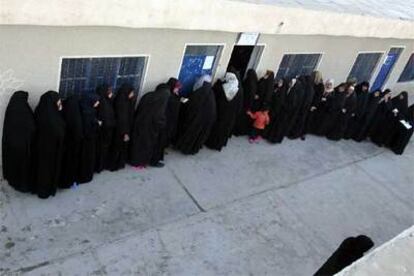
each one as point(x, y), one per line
point(157, 165)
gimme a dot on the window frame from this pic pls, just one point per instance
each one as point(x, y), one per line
point(318, 64)
point(143, 79)
point(411, 56)
point(377, 67)
point(219, 57)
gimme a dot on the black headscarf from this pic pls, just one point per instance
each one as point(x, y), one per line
point(49, 144)
point(18, 137)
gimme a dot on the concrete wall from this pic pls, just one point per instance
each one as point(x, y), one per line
point(207, 15)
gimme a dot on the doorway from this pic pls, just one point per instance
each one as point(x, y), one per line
point(244, 58)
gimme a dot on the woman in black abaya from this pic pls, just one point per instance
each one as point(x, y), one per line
point(172, 112)
point(228, 103)
point(344, 107)
point(265, 90)
point(299, 129)
point(106, 115)
point(199, 117)
point(17, 143)
point(124, 107)
point(73, 141)
point(319, 89)
point(295, 100)
point(320, 114)
point(276, 108)
point(244, 122)
point(383, 124)
point(404, 125)
point(150, 120)
point(362, 94)
point(87, 162)
point(365, 122)
point(289, 109)
point(49, 144)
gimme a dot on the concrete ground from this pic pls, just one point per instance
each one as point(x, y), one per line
point(248, 210)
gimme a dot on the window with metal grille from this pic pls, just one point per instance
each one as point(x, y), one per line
point(408, 72)
point(364, 66)
point(293, 65)
point(83, 75)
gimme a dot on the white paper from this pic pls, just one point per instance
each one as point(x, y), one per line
point(405, 124)
point(208, 62)
point(248, 39)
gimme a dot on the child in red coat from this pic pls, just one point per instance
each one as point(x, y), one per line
point(260, 121)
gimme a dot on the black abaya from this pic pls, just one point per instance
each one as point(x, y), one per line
point(17, 143)
point(198, 119)
point(172, 114)
point(343, 110)
point(362, 94)
point(90, 123)
point(106, 115)
point(244, 122)
point(312, 122)
point(402, 133)
point(292, 108)
point(299, 128)
point(150, 120)
point(124, 113)
point(366, 120)
point(273, 130)
point(265, 92)
point(227, 111)
point(73, 141)
point(383, 124)
point(49, 144)
point(350, 250)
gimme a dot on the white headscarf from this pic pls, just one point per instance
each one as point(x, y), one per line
point(199, 83)
point(330, 81)
point(231, 85)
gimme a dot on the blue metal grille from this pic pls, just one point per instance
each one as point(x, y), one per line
point(83, 75)
point(408, 72)
point(293, 65)
point(364, 66)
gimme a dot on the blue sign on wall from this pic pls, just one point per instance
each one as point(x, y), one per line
point(385, 71)
point(192, 68)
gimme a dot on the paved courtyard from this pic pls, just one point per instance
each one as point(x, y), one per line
point(248, 210)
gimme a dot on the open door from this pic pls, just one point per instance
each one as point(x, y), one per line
point(244, 58)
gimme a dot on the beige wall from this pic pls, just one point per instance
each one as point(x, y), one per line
point(207, 15)
point(339, 54)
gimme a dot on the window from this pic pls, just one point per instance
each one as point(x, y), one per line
point(364, 66)
point(408, 72)
point(293, 65)
point(83, 75)
point(198, 60)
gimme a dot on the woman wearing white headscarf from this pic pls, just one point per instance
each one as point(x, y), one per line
point(319, 109)
point(228, 103)
point(198, 117)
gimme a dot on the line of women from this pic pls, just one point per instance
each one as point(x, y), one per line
point(64, 142)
